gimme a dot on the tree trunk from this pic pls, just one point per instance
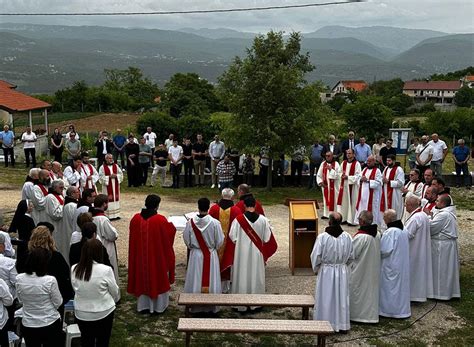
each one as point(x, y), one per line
point(270, 175)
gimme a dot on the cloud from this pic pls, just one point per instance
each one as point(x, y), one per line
point(446, 15)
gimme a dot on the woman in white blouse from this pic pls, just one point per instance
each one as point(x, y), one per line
point(96, 294)
point(6, 299)
point(39, 293)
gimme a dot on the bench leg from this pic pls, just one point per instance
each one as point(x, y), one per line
point(186, 311)
point(306, 313)
point(188, 338)
point(321, 341)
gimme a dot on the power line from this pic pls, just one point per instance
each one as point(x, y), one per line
point(243, 9)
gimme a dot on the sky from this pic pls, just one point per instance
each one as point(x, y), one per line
point(452, 16)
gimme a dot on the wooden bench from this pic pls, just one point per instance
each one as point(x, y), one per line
point(269, 300)
point(261, 326)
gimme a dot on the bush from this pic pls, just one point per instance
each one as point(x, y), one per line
point(161, 123)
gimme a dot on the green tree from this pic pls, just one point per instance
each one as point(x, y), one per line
point(464, 97)
point(386, 89)
point(337, 102)
point(161, 122)
point(269, 98)
point(189, 94)
point(79, 90)
point(368, 116)
point(458, 123)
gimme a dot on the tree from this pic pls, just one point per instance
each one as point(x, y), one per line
point(189, 94)
point(269, 99)
point(464, 97)
point(79, 90)
point(386, 89)
point(162, 123)
point(458, 123)
point(368, 116)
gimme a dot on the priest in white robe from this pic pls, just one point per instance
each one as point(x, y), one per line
point(444, 250)
point(330, 257)
point(54, 206)
point(349, 188)
point(421, 270)
point(89, 174)
point(395, 269)
point(413, 187)
point(370, 191)
point(28, 186)
point(328, 178)
point(73, 174)
point(69, 215)
point(106, 232)
point(365, 271)
point(40, 191)
point(393, 179)
point(252, 243)
point(110, 177)
point(57, 174)
point(203, 236)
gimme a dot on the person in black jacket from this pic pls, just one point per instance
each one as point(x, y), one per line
point(89, 231)
point(22, 224)
point(332, 146)
point(350, 143)
point(132, 151)
point(104, 146)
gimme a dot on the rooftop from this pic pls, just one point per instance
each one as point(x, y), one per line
point(432, 85)
point(15, 101)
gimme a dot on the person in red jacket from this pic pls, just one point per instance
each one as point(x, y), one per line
point(151, 258)
point(244, 192)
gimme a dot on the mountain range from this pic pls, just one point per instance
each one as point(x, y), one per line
point(44, 58)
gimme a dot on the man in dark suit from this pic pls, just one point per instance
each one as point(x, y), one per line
point(104, 146)
point(350, 143)
point(332, 146)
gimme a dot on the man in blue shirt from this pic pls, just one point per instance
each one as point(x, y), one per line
point(119, 142)
point(7, 138)
point(461, 157)
point(315, 160)
point(362, 151)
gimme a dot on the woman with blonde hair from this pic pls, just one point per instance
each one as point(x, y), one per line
point(57, 265)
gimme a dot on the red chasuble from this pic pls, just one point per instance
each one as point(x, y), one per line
point(114, 181)
point(267, 249)
point(151, 259)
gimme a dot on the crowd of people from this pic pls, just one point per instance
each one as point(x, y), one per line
point(405, 248)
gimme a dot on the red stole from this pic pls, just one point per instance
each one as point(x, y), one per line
point(89, 183)
point(43, 189)
point(59, 198)
point(206, 264)
point(329, 192)
point(51, 175)
point(391, 176)
point(110, 191)
point(430, 205)
point(409, 184)
point(351, 173)
point(371, 191)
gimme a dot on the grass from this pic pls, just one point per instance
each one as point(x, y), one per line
point(21, 121)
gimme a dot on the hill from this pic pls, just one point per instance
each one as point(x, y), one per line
point(219, 33)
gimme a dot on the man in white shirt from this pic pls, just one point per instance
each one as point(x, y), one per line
point(424, 154)
point(175, 154)
point(150, 138)
point(169, 141)
point(29, 138)
point(216, 152)
point(440, 150)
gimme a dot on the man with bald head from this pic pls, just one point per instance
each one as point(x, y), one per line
point(40, 191)
point(444, 250)
point(370, 191)
point(328, 178)
point(417, 226)
point(424, 154)
point(27, 190)
point(440, 150)
point(395, 269)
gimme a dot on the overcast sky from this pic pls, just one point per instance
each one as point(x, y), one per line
point(454, 16)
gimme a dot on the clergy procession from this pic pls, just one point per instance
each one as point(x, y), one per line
point(404, 250)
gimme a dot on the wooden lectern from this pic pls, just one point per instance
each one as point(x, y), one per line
point(303, 233)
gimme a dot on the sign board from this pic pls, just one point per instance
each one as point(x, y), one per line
point(401, 139)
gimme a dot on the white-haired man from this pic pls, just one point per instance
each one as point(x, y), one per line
point(54, 206)
point(110, 177)
point(27, 190)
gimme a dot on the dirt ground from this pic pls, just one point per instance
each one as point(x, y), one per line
point(278, 276)
point(106, 121)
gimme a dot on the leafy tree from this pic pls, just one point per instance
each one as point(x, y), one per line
point(399, 103)
point(386, 89)
point(79, 90)
point(464, 97)
point(268, 97)
point(161, 122)
point(368, 116)
point(189, 94)
point(458, 123)
point(453, 76)
point(337, 102)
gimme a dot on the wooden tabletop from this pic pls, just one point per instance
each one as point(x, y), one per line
point(246, 300)
point(255, 326)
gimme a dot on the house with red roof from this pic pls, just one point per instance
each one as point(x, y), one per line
point(343, 87)
point(441, 93)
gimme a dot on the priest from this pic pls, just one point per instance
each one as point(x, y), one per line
point(54, 207)
point(365, 271)
point(40, 191)
point(349, 188)
point(225, 212)
point(252, 244)
point(28, 186)
point(328, 179)
point(203, 236)
point(110, 177)
point(151, 258)
point(106, 232)
point(428, 203)
point(444, 250)
point(331, 254)
point(393, 179)
point(89, 174)
point(417, 226)
point(395, 269)
point(370, 191)
point(72, 173)
point(412, 187)
point(243, 190)
point(69, 215)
